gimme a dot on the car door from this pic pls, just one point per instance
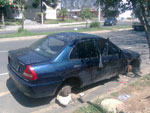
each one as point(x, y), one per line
point(84, 56)
point(109, 61)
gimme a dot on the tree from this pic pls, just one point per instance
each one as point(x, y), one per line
point(3, 3)
point(51, 3)
point(141, 9)
point(21, 4)
point(63, 13)
point(110, 8)
point(86, 14)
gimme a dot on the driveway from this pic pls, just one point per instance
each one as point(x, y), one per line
point(13, 101)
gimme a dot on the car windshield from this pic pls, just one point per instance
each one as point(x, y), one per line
point(48, 46)
point(109, 19)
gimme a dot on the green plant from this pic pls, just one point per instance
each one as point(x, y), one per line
point(95, 24)
point(36, 3)
point(146, 77)
point(86, 14)
point(91, 108)
point(115, 94)
point(20, 30)
point(3, 2)
point(63, 13)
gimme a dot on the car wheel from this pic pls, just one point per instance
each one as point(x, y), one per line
point(65, 90)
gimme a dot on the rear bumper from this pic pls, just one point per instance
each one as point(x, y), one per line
point(107, 24)
point(138, 27)
point(33, 90)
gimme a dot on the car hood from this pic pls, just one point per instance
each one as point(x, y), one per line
point(27, 56)
point(130, 54)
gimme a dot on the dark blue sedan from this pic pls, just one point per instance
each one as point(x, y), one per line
point(60, 62)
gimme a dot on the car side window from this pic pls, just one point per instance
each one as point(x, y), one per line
point(112, 50)
point(84, 49)
point(109, 49)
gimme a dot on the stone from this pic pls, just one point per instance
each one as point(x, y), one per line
point(64, 100)
point(112, 105)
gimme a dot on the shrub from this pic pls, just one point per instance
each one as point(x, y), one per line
point(95, 24)
point(86, 14)
point(20, 30)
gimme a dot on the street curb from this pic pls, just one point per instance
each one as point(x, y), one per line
point(40, 36)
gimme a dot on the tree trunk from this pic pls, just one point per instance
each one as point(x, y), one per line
point(22, 21)
point(148, 38)
point(146, 25)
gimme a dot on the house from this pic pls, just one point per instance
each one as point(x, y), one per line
point(73, 6)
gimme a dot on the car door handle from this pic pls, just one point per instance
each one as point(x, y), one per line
point(77, 66)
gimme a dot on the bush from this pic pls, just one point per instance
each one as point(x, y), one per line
point(95, 24)
point(86, 14)
point(20, 30)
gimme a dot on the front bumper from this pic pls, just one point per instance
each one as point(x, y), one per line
point(33, 90)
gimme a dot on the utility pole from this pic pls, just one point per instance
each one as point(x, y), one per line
point(22, 11)
point(42, 19)
point(99, 12)
point(3, 19)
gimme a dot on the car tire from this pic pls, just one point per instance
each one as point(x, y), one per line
point(65, 90)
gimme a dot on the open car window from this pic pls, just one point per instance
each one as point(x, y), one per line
point(109, 49)
point(84, 49)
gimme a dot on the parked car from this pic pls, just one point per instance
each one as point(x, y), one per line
point(67, 60)
point(137, 25)
point(110, 21)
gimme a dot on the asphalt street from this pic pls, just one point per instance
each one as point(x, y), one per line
point(58, 29)
point(53, 29)
point(12, 101)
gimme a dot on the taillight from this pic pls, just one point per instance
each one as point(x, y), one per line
point(29, 73)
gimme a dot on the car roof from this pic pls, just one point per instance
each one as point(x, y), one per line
point(72, 36)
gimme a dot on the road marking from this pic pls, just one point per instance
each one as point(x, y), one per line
point(4, 51)
point(4, 93)
point(3, 74)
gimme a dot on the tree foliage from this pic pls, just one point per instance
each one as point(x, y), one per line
point(141, 9)
point(51, 3)
point(3, 3)
point(63, 13)
point(110, 8)
point(86, 14)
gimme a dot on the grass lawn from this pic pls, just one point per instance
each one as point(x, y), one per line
point(91, 108)
point(11, 22)
point(27, 33)
point(59, 21)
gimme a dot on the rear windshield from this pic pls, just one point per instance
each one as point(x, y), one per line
point(48, 46)
point(110, 19)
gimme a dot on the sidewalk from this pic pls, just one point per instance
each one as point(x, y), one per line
point(37, 26)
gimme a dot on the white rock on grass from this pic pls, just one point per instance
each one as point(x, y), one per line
point(112, 105)
point(64, 100)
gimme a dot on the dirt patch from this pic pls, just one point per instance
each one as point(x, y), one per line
point(139, 101)
point(139, 92)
